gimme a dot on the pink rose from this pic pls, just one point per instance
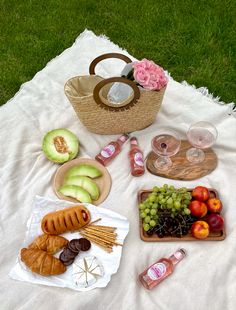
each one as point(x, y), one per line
point(149, 75)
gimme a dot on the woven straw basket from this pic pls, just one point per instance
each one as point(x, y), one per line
point(88, 96)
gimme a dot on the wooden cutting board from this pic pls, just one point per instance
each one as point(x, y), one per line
point(182, 169)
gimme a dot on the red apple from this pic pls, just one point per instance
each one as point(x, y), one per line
point(214, 205)
point(201, 193)
point(198, 208)
point(215, 221)
point(200, 229)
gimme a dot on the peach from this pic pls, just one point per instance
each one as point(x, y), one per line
point(198, 208)
point(214, 205)
point(200, 230)
point(201, 193)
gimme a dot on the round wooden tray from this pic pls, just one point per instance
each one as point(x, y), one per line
point(182, 169)
point(103, 182)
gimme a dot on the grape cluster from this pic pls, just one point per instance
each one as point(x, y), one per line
point(165, 211)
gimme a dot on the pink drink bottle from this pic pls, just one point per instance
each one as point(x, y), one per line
point(160, 270)
point(110, 151)
point(136, 158)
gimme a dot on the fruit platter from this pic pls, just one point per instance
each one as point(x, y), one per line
point(179, 214)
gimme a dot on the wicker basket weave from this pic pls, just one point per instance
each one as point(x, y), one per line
point(88, 96)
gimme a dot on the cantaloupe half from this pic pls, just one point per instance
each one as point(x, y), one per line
point(60, 145)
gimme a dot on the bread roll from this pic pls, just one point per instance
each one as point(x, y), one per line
point(68, 219)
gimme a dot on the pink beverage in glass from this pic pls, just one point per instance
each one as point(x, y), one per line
point(110, 151)
point(201, 138)
point(136, 158)
point(166, 145)
point(160, 270)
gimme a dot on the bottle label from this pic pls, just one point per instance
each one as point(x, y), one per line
point(138, 159)
point(156, 271)
point(108, 151)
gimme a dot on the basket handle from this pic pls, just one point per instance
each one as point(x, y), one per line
point(105, 104)
point(105, 56)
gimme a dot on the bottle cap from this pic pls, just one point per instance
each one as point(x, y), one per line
point(181, 253)
point(124, 137)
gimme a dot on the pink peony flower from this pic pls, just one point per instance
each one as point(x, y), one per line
point(149, 75)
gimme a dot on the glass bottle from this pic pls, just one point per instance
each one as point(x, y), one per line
point(110, 151)
point(160, 270)
point(136, 158)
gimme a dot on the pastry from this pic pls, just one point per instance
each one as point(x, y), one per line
point(49, 243)
point(86, 271)
point(41, 262)
point(68, 219)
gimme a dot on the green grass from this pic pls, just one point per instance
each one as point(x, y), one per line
point(193, 40)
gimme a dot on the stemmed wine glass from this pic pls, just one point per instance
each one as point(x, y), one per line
point(165, 145)
point(201, 135)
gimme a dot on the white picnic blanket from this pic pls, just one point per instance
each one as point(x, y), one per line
point(205, 279)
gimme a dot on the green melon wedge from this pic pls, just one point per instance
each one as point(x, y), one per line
point(84, 170)
point(76, 192)
point(86, 183)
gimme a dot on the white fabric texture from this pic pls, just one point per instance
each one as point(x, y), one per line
point(205, 279)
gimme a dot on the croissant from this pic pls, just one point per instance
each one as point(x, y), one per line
point(49, 243)
point(69, 219)
point(41, 262)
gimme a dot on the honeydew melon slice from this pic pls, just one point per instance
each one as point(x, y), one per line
point(86, 183)
point(60, 145)
point(76, 192)
point(84, 170)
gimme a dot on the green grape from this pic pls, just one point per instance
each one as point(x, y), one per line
point(143, 215)
point(147, 211)
point(174, 195)
point(177, 204)
point(152, 198)
point(155, 206)
point(163, 201)
point(146, 227)
point(147, 219)
point(187, 211)
point(153, 212)
point(170, 201)
point(155, 189)
point(172, 188)
point(152, 223)
point(142, 206)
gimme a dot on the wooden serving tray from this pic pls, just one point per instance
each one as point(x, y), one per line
point(213, 236)
point(182, 169)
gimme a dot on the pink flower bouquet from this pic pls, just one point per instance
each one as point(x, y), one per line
point(148, 75)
